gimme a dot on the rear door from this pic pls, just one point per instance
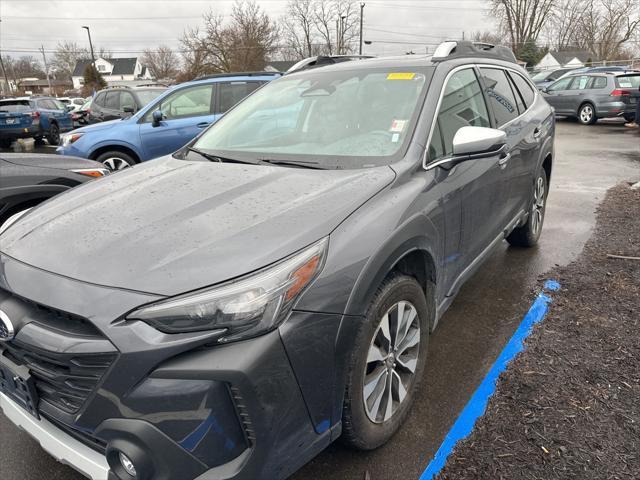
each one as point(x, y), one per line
point(186, 112)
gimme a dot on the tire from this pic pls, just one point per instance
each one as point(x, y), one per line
point(38, 140)
point(116, 160)
point(587, 114)
point(528, 234)
point(366, 427)
point(6, 142)
point(53, 137)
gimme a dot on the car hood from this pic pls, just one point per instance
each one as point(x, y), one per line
point(169, 226)
point(49, 160)
point(96, 127)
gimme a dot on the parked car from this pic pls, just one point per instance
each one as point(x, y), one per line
point(547, 77)
point(232, 309)
point(600, 69)
point(165, 124)
point(30, 179)
point(17, 120)
point(591, 96)
point(80, 117)
point(48, 113)
point(115, 103)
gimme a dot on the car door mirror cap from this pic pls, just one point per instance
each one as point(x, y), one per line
point(478, 142)
point(157, 117)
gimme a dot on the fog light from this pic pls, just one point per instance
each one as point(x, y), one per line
point(127, 464)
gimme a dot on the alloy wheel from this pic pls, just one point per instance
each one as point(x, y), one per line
point(538, 206)
point(115, 163)
point(391, 361)
point(586, 114)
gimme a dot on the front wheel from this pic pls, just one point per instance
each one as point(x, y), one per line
point(528, 234)
point(587, 114)
point(387, 364)
point(115, 160)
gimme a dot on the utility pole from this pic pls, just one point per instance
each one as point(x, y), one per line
point(46, 69)
point(93, 58)
point(463, 35)
point(4, 72)
point(361, 21)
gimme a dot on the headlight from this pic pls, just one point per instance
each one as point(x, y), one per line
point(243, 308)
point(92, 172)
point(69, 138)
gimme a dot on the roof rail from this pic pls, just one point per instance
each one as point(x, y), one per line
point(460, 49)
point(236, 74)
point(152, 84)
point(323, 60)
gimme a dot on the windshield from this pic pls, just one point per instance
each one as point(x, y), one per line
point(542, 75)
point(146, 96)
point(15, 106)
point(337, 119)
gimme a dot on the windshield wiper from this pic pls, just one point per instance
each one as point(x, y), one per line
point(217, 158)
point(300, 163)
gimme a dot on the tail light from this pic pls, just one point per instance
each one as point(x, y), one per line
point(618, 92)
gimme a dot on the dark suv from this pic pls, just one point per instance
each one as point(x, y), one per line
point(119, 102)
point(228, 311)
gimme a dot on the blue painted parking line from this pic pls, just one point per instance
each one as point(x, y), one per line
point(476, 406)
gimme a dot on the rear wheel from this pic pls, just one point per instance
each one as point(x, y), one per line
point(116, 160)
point(528, 234)
point(387, 363)
point(587, 114)
point(54, 135)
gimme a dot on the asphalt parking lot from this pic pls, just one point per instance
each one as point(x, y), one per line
point(588, 161)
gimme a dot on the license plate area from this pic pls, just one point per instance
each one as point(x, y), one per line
point(17, 383)
point(11, 121)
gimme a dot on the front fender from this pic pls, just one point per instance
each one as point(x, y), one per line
point(114, 143)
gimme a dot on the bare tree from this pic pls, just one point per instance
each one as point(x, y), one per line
point(488, 37)
point(65, 58)
point(299, 29)
point(162, 61)
point(522, 20)
point(242, 44)
point(606, 26)
point(564, 24)
point(338, 25)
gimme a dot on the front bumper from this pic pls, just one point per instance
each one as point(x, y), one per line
point(61, 446)
point(175, 404)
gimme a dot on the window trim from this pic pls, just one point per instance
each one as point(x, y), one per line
point(476, 67)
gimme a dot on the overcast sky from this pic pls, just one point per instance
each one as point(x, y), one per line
point(126, 27)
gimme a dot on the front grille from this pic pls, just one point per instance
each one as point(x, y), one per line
point(61, 379)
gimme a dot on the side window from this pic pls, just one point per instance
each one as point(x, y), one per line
point(112, 102)
point(500, 95)
point(599, 82)
point(188, 102)
point(579, 83)
point(231, 93)
point(526, 90)
point(99, 100)
point(560, 85)
point(462, 105)
point(127, 100)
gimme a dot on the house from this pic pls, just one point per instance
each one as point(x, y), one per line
point(115, 71)
point(279, 66)
point(565, 58)
point(38, 86)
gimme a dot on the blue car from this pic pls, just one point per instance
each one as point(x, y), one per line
point(49, 117)
point(164, 125)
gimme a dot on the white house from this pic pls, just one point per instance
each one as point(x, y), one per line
point(568, 58)
point(115, 71)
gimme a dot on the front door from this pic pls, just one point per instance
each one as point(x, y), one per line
point(557, 94)
point(186, 112)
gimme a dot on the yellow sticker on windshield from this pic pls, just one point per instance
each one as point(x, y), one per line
point(401, 76)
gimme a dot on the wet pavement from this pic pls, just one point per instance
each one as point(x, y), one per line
point(471, 334)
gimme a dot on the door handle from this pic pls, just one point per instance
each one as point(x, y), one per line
point(537, 132)
point(504, 159)
point(202, 124)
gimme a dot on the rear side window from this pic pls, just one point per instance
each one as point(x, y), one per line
point(500, 95)
point(462, 105)
point(526, 91)
point(231, 93)
point(628, 81)
point(112, 101)
point(15, 106)
point(598, 82)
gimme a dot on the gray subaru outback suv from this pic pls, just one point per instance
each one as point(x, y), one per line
point(229, 311)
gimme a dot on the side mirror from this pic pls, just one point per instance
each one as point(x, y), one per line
point(478, 142)
point(128, 109)
point(157, 117)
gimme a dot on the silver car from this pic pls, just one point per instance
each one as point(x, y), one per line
point(590, 96)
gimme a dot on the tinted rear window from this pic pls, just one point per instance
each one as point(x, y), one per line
point(15, 106)
point(628, 81)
